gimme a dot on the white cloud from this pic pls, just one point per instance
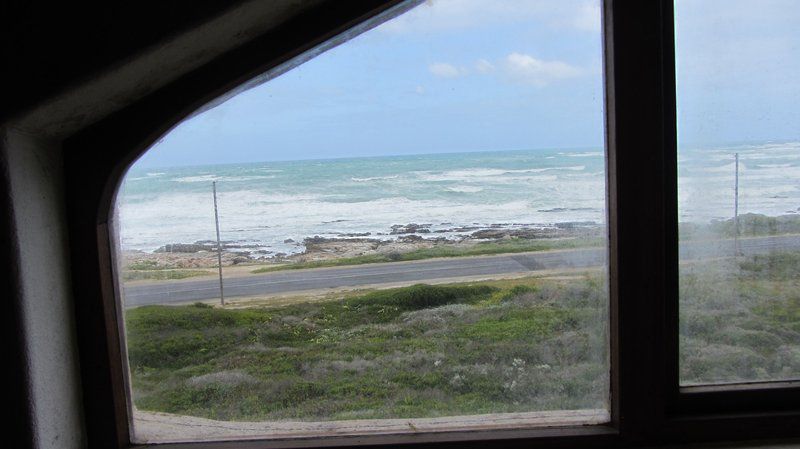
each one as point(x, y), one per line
point(445, 70)
point(519, 67)
point(484, 66)
point(538, 72)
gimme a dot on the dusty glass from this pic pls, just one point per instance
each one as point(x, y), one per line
point(411, 233)
point(739, 190)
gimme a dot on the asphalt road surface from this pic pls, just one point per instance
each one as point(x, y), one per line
point(288, 281)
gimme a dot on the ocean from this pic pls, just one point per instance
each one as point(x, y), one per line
point(273, 206)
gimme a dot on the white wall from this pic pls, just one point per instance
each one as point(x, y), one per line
point(35, 181)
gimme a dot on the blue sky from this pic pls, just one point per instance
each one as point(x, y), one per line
point(471, 75)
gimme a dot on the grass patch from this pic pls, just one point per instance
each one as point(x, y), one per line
point(780, 266)
point(514, 245)
point(750, 225)
point(148, 265)
point(417, 351)
point(162, 274)
point(740, 319)
point(518, 325)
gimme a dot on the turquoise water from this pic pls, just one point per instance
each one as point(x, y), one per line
point(271, 202)
point(267, 204)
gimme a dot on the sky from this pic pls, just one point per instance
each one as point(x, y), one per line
point(472, 75)
point(738, 70)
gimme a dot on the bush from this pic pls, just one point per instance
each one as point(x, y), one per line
point(422, 296)
point(515, 292)
point(419, 351)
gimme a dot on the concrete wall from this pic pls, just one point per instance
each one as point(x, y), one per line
point(40, 263)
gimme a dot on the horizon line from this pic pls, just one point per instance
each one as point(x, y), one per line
point(584, 148)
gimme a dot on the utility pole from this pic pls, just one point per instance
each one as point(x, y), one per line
point(736, 208)
point(219, 245)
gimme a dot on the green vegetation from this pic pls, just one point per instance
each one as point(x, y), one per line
point(155, 271)
point(424, 351)
point(419, 351)
point(740, 319)
point(750, 225)
point(148, 265)
point(513, 245)
point(162, 274)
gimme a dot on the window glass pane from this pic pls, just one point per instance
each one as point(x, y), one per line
point(412, 236)
point(739, 190)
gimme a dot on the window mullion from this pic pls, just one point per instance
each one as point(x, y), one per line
point(642, 208)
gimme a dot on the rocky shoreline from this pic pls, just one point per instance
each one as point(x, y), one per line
point(400, 239)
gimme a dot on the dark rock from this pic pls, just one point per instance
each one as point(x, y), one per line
point(313, 243)
point(411, 228)
point(490, 234)
point(410, 239)
point(288, 241)
point(185, 248)
point(564, 209)
point(525, 233)
point(213, 242)
point(239, 246)
point(575, 224)
point(316, 240)
point(555, 209)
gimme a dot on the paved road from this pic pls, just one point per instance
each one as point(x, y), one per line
point(417, 271)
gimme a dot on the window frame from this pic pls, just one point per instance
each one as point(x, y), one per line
point(717, 411)
point(647, 403)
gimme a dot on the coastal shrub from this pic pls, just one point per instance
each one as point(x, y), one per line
point(145, 265)
point(169, 336)
point(394, 256)
point(422, 296)
point(436, 316)
point(513, 293)
point(230, 377)
point(788, 358)
point(409, 352)
point(781, 312)
point(712, 362)
point(740, 312)
point(775, 266)
point(527, 324)
point(162, 274)
point(757, 225)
